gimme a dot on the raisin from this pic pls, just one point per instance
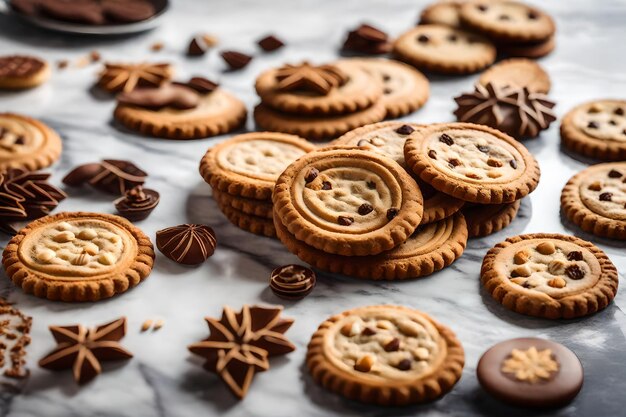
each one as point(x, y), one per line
point(326, 185)
point(311, 175)
point(404, 365)
point(445, 138)
point(574, 272)
point(606, 196)
point(405, 130)
point(365, 208)
point(575, 255)
point(614, 174)
point(345, 220)
point(432, 153)
point(392, 212)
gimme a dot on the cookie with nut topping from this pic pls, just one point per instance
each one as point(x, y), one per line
point(595, 200)
point(385, 355)
point(549, 275)
point(78, 256)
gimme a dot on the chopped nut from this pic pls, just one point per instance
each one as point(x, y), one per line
point(146, 325)
point(521, 271)
point(556, 267)
point(546, 248)
point(557, 282)
point(87, 234)
point(521, 257)
point(365, 363)
point(473, 175)
point(595, 186)
point(63, 237)
point(46, 255)
point(494, 163)
point(384, 324)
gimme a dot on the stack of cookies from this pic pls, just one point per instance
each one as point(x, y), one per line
point(242, 172)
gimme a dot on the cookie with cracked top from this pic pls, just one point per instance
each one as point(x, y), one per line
point(549, 275)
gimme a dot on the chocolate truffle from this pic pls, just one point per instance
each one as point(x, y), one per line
point(188, 244)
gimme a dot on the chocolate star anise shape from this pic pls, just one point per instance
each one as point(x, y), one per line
point(82, 349)
point(127, 77)
point(306, 77)
point(239, 344)
point(111, 176)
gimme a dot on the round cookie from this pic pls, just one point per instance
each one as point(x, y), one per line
point(472, 162)
point(430, 248)
point(486, 219)
point(595, 200)
point(549, 275)
point(385, 355)
point(248, 165)
point(517, 72)
point(388, 139)
point(596, 129)
point(253, 224)
point(19, 72)
point(216, 113)
point(444, 49)
point(507, 21)
point(250, 206)
point(78, 256)
point(317, 127)
point(528, 50)
point(27, 143)
point(348, 201)
point(404, 88)
point(337, 88)
point(531, 372)
point(441, 13)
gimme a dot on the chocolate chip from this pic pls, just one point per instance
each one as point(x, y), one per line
point(606, 196)
point(592, 125)
point(422, 39)
point(619, 111)
point(483, 148)
point(392, 212)
point(452, 37)
point(533, 15)
point(612, 122)
point(386, 77)
point(575, 255)
point(432, 153)
point(504, 17)
point(526, 284)
point(326, 185)
point(513, 163)
point(365, 208)
point(482, 7)
point(404, 365)
point(445, 138)
point(20, 140)
point(574, 272)
point(345, 220)
point(454, 163)
point(614, 174)
point(405, 130)
point(371, 185)
point(393, 345)
point(311, 175)
point(368, 331)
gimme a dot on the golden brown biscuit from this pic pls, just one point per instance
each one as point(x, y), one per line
point(250, 206)
point(517, 72)
point(22, 72)
point(250, 223)
point(486, 219)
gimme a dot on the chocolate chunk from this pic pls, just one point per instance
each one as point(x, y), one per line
point(365, 208)
point(371, 185)
point(533, 15)
point(432, 154)
point(614, 174)
point(612, 122)
point(593, 125)
point(404, 364)
point(606, 196)
point(393, 345)
point(513, 163)
point(197, 47)
point(392, 213)
point(137, 203)
point(423, 39)
point(311, 175)
point(453, 162)
point(236, 60)
point(270, 43)
point(368, 331)
point(445, 138)
point(575, 255)
point(405, 130)
point(201, 85)
point(619, 111)
point(124, 11)
point(367, 39)
point(345, 220)
point(326, 185)
point(452, 37)
point(167, 95)
point(20, 140)
point(575, 272)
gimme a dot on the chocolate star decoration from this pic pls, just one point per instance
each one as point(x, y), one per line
point(306, 77)
point(513, 110)
point(82, 349)
point(240, 344)
point(127, 77)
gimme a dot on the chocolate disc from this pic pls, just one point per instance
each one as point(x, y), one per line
point(531, 372)
point(292, 282)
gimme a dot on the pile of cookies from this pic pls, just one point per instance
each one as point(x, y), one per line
point(242, 172)
point(325, 101)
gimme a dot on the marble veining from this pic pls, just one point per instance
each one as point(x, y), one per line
point(164, 379)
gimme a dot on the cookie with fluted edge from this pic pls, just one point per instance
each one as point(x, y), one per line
point(317, 127)
point(507, 21)
point(385, 355)
point(596, 129)
point(430, 248)
point(355, 90)
point(248, 222)
point(517, 72)
point(441, 13)
point(348, 201)
point(595, 200)
point(78, 256)
point(27, 143)
point(388, 138)
point(528, 50)
point(549, 275)
point(472, 162)
point(405, 89)
point(444, 49)
point(20, 72)
point(248, 165)
point(250, 206)
point(216, 113)
point(486, 219)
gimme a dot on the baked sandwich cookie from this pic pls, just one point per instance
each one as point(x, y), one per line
point(596, 129)
point(78, 256)
point(27, 143)
point(549, 275)
point(595, 200)
point(348, 201)
point(20, 72)
point(385, 355)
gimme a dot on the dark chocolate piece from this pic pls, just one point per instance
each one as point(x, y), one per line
point(270, 43)
point(188, 244)
point(292, 282)
point(236, 60)
point(137, 203)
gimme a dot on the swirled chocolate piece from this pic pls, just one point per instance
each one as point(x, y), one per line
point(188, 244)
point(111, 176)
point(367, 39)
point(137, 203)
point(167, 95)
point(292, 282)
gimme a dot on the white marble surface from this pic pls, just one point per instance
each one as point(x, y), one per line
point(163, 379)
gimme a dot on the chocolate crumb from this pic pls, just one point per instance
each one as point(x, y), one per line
point(423, 39)
point(619, 111)
point(393, 345)
point(368, 331)
point(513, 163)
point(62, 64)
point(371, 185)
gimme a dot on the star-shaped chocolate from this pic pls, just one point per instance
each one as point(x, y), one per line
point(110, 175)
point(127, 77)
point(513, 110)
point(239, 344)
point(306, 77)
point(82, 349)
